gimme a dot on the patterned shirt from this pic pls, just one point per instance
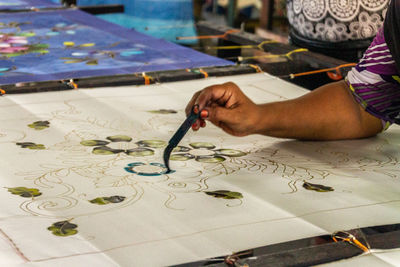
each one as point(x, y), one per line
point(375, 82)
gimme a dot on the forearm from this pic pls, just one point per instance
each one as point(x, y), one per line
point(327, 113)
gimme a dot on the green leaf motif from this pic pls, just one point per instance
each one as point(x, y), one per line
point(230, 152)
point(163, 111)
point(72, 61)
point(202, 145)
point(152, 143)
point(25, 192)
point(181, 157)
point(92, 62)
point(119, 138)
point(317, 187)
point(104, 150)
point(139, 152)
point(181, 149)
point(31, 145)
point(39, 125)
point(94, 143)
point(63, 228)
point(107, 200)
point(210, 159)
point(225, 194)
point(26, 34)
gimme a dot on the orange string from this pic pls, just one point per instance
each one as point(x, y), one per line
point(2, 92)
point(257, 68)
point(337, 69)
point(73, 84)
point(204, 73)
point(147, 79)
point(351, 239)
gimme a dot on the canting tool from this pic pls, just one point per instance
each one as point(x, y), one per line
point(194, 115)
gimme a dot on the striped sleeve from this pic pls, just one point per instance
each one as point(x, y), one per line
point(375, 82)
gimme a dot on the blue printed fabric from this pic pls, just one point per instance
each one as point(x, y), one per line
point(27, 4)
point(68, 44)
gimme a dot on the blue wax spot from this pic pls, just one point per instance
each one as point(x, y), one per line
point(59, 25)
point(52, 33)
point(131, 53)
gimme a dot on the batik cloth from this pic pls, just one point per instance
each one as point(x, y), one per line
point(375, 82)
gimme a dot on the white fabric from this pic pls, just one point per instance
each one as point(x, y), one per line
point(168, 219)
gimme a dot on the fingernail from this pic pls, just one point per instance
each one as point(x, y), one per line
point(203, 124)
point(196, 109)
point(194, 125)
point(204, 114)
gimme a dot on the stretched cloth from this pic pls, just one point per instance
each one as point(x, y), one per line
point(69, 44)
point(82, 180)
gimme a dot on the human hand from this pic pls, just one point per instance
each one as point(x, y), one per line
point(227, 107)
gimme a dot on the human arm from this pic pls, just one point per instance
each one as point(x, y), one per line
point(327, 113)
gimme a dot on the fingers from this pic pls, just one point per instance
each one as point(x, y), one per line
point(198, 123)
point(214, 103)
point(222, 94)
point(225, 94)
point(204, 114)
point(196, 126)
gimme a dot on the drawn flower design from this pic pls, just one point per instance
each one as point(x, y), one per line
point(115, 144)
point(12, 44)
point(143, 169)
point(16, 45)
point(91, 57)
point(12, 24)
point(62, 27)
point(204, 152)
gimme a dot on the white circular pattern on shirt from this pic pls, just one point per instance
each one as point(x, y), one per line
point(366, 26)
point(201, 152)
point(330, 30)
point(344, 10)
point(374, 5)
point(349, 20)
point(314, 10)
point(297, 6)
